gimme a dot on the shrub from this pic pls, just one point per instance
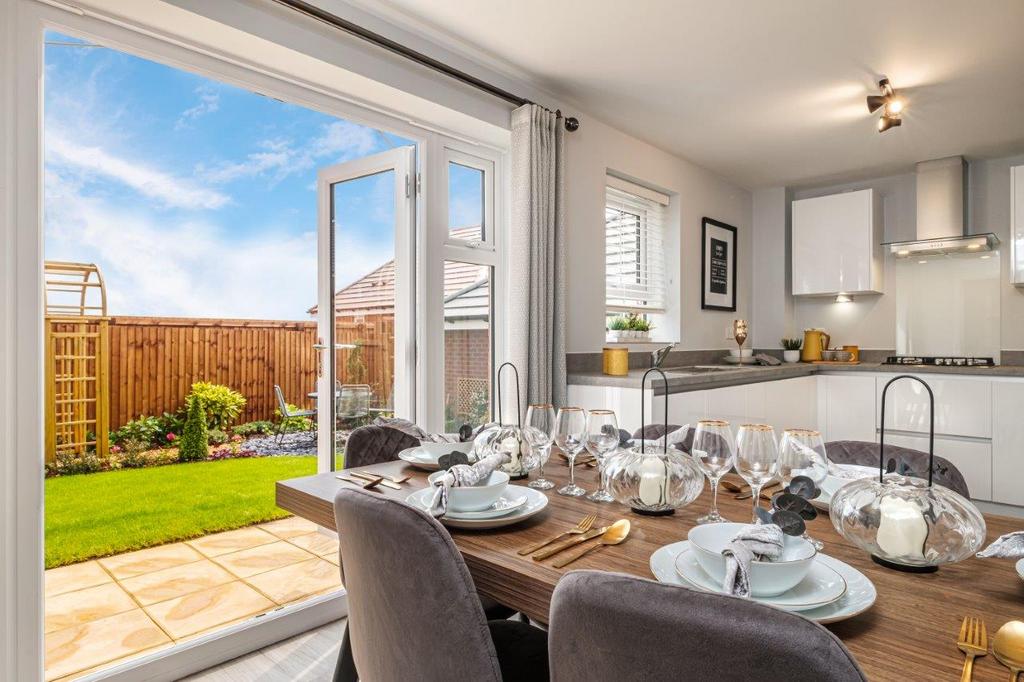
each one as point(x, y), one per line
point(221, 404)
point(355, 368)
point(170, 424)
point(253, 428)
point(216, 437)
point(142, 430)
point(67, 464)
point(194, 445)
point(131, 454)
point(294, 423)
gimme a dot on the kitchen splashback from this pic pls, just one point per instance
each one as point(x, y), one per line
point(947, 305)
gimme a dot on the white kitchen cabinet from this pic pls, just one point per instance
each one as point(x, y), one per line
point(836, 244)
point(791, 403)
point(683, 408)
point(972, 457)
point(1017, 225)
point(849, 406)
point(1008, 442)
point(625, 402)
point(963, 406)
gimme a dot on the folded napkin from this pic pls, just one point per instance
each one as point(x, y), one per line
point(1009, 546)
point(462, 475)
point(763, 541)
point(672, 438)
point(765, 359)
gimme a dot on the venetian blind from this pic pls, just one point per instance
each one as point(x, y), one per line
point(634, 225)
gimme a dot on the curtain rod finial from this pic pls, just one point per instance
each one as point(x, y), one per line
point(572, 124)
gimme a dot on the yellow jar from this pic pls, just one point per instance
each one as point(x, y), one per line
point(616, 361)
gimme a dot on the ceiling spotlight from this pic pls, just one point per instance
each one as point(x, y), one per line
point(889, 103)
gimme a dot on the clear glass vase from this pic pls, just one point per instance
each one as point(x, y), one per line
point(655, 482)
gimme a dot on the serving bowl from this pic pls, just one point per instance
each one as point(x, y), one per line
point(843, 356)
point(741, 352)
point(828, 355)
point(767, 578)
point(475, 497)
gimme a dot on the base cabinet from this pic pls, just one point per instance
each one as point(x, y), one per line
point(849, 407)
point(972, 457)
point(1008, 442)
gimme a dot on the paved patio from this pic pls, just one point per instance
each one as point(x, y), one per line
point(109, 610)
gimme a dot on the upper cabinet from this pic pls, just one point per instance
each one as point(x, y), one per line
point(1017, 225)
point(837, 244)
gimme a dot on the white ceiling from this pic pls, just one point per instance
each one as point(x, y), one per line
point(766, 92)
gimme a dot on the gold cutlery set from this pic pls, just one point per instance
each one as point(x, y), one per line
point(745, 492)
point(371, 481)
point(582, 532)
point(1007, 645)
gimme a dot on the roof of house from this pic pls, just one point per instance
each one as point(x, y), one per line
point(466, 289)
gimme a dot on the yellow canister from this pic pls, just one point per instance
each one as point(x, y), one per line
point(616, 361)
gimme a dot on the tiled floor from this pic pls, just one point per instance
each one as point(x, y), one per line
point(109, 610)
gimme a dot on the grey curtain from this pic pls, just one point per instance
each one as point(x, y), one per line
point(537, 256)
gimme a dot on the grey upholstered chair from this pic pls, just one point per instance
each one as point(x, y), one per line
point(607, 627)
point(899, 459)
point(413, 609)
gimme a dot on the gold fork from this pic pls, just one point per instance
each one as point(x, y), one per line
point(973, 641)
point(582, 527)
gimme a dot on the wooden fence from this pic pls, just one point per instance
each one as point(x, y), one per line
point(155, 360)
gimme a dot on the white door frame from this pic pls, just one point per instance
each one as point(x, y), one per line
point(401, 160)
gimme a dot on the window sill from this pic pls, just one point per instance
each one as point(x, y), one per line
point(639, 343)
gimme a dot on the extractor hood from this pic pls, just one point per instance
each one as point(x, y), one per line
point(942, 213)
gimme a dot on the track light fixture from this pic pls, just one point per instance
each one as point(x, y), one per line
point(890, 104)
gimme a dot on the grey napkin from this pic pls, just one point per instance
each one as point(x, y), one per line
point(463, 475)
point(1009, 546)
point(765, 359)
point(762, 541)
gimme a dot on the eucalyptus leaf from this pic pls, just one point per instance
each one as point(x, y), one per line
point(465, 433)
point(764, 515)
point(805, 487)
point(789, 522)
point(796, 504)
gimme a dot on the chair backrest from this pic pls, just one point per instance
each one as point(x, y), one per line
point(374, 443)
point(412, 607)
point(905, 461)
point(282, 404)
point(608, 627)
point(354, 400)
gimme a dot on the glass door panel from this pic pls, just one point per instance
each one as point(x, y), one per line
point(468, 351)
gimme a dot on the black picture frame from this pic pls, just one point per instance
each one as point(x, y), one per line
point(711, 293)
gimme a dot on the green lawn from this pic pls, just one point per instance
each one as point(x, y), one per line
point(95, 515)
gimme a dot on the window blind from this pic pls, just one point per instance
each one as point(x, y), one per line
point(634, 261)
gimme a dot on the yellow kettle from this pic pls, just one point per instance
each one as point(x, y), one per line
point(815, 341)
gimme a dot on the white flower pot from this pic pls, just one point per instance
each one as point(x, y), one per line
point(791, 355)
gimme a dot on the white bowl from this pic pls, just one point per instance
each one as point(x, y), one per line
point(476, 497)
point(767, 578)
point(741, 352)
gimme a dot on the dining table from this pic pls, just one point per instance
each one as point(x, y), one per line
point(910, 632)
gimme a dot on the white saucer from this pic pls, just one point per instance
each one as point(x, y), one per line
point(822, 586)
point(860, 592)
point(421, 459)
point(536, 501)
point(509, 501)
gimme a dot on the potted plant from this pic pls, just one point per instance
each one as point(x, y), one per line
point(640, 327)
point(618, 328)
point(791, 349)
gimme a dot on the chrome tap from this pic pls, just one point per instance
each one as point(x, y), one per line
point(658, 356)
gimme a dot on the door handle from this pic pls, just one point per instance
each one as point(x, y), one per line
point(337, 346)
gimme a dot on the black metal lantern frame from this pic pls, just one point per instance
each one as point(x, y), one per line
point(643, 433)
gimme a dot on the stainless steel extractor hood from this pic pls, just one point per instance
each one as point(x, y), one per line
point(942, 213)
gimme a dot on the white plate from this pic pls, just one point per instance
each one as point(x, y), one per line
point(536, 501)
point(860, 592)
point(1020, 569)
point(421, 459)
point(823, 584)
point(832, 483)
point(509, 501)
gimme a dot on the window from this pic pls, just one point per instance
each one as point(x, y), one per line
point(634, 224)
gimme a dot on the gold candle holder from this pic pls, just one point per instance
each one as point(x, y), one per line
point(615, 361)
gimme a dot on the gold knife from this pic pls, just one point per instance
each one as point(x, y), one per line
point(365, 485)
point(387, 483)
point(566, 544)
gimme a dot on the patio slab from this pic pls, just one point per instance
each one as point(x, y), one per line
point(148, 560)
point(92, 603)
point(75, 577)
point(317, 543)
point(107, 639)
point(176, 581)
point(232, 541)
point(289, 527)
point(200, 611)
point(298, 581)
point(249, 562)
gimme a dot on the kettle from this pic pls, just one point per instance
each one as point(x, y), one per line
point(815, 341)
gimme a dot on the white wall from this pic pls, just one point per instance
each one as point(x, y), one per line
point(772, 309)
point(593, 150)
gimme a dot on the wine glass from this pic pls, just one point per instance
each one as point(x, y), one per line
point(802, 453)
point(757, 455)
point(602, 440)
point(539, 432)
point(714, 451)
point(570, 435)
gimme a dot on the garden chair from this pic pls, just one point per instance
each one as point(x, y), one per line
point(353, 407)
point(287, 414)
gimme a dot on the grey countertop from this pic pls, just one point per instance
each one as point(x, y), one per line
point(679, 382)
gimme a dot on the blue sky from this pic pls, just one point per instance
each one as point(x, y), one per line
point(197, 198)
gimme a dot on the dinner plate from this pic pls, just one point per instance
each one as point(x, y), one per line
point(510, 500)
point(823, 584)
point(832, 482)
point(860, 591)
point(536, 501)
point(422, 459)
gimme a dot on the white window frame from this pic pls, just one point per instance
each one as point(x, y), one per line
point(21, 322)
point(640, 198)
point(485, 166)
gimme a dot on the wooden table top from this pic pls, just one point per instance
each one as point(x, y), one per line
point(909, 633)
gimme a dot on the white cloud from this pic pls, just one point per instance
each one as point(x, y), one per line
point(209, 102)
point(156, 184)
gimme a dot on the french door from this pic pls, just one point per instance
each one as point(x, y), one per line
point(365, 295)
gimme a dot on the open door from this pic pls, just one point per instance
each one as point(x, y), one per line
point(365, 296)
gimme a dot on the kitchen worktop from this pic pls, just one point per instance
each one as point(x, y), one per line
point(728, 375)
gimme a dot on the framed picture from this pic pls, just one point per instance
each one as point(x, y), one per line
point(718, 266)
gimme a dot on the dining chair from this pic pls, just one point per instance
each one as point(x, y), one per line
point(353, 404)
point(288, 413)
point(905, 461)
point(413, 611)
point(607, 627)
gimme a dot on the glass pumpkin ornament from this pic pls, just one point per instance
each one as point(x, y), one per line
point(654, 480)
point(905, 522)
point(507, 439)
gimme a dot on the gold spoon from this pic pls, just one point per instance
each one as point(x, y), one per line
point(1008, 647)
point(615, 534)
